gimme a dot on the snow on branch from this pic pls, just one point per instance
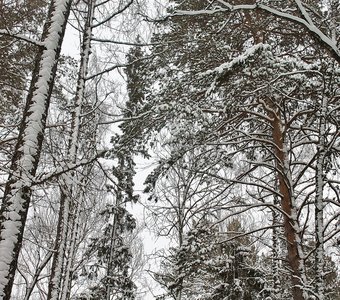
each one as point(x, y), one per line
point(107, 71)
point(21, 37)
point(41, 178)
point(126, 43)
point(225, 67)
point(114, 14)
point(305, 22)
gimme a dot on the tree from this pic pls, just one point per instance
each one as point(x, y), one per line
point(28, 147)
point(17, 54)
point(69, 192)
point(210, 88)
point(109, 269)
point(205, 268)
point(68, 160)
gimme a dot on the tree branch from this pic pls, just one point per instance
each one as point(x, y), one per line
point(21, 37)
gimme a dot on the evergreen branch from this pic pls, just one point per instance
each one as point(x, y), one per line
point(323, 39)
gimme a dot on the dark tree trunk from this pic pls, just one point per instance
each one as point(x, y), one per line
point(26, 155)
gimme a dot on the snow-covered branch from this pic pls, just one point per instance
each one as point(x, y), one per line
point(21, 37)
point(323, 39)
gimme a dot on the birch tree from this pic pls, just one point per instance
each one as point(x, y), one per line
point(96, 16)
point(69, 191)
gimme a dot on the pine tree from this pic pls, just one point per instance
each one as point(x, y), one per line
point(109, 272)
point(254, 95)
point(205, 267)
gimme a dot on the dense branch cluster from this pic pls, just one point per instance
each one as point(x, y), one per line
point(237, 103)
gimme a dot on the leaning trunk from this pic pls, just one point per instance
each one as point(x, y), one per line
point(26, 156)
point(30, 287)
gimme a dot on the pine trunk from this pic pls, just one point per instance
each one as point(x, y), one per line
point(276, 252)
point(288, 205)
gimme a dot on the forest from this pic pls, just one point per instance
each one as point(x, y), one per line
point(169, 150)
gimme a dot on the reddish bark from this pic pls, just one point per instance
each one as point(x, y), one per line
point(287, 205)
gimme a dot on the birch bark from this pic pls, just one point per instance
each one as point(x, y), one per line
point(319, 219)
point(68, 210)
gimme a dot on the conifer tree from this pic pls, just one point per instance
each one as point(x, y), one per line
point(205, 268)
point(254, 95)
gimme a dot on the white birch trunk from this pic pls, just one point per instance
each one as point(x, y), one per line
point(69, 191)
point(27, 151)
point(319, 221)
point(72, 249)
point(60, 247)
point(69, 194)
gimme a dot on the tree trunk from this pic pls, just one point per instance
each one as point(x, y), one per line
point(319, 222)
point(113, 238)
point(288, 205)
point(71, 251)
point(69, 191)
point(276, 252)
point(26, 155)
point(59, 248)
point(35, 279)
